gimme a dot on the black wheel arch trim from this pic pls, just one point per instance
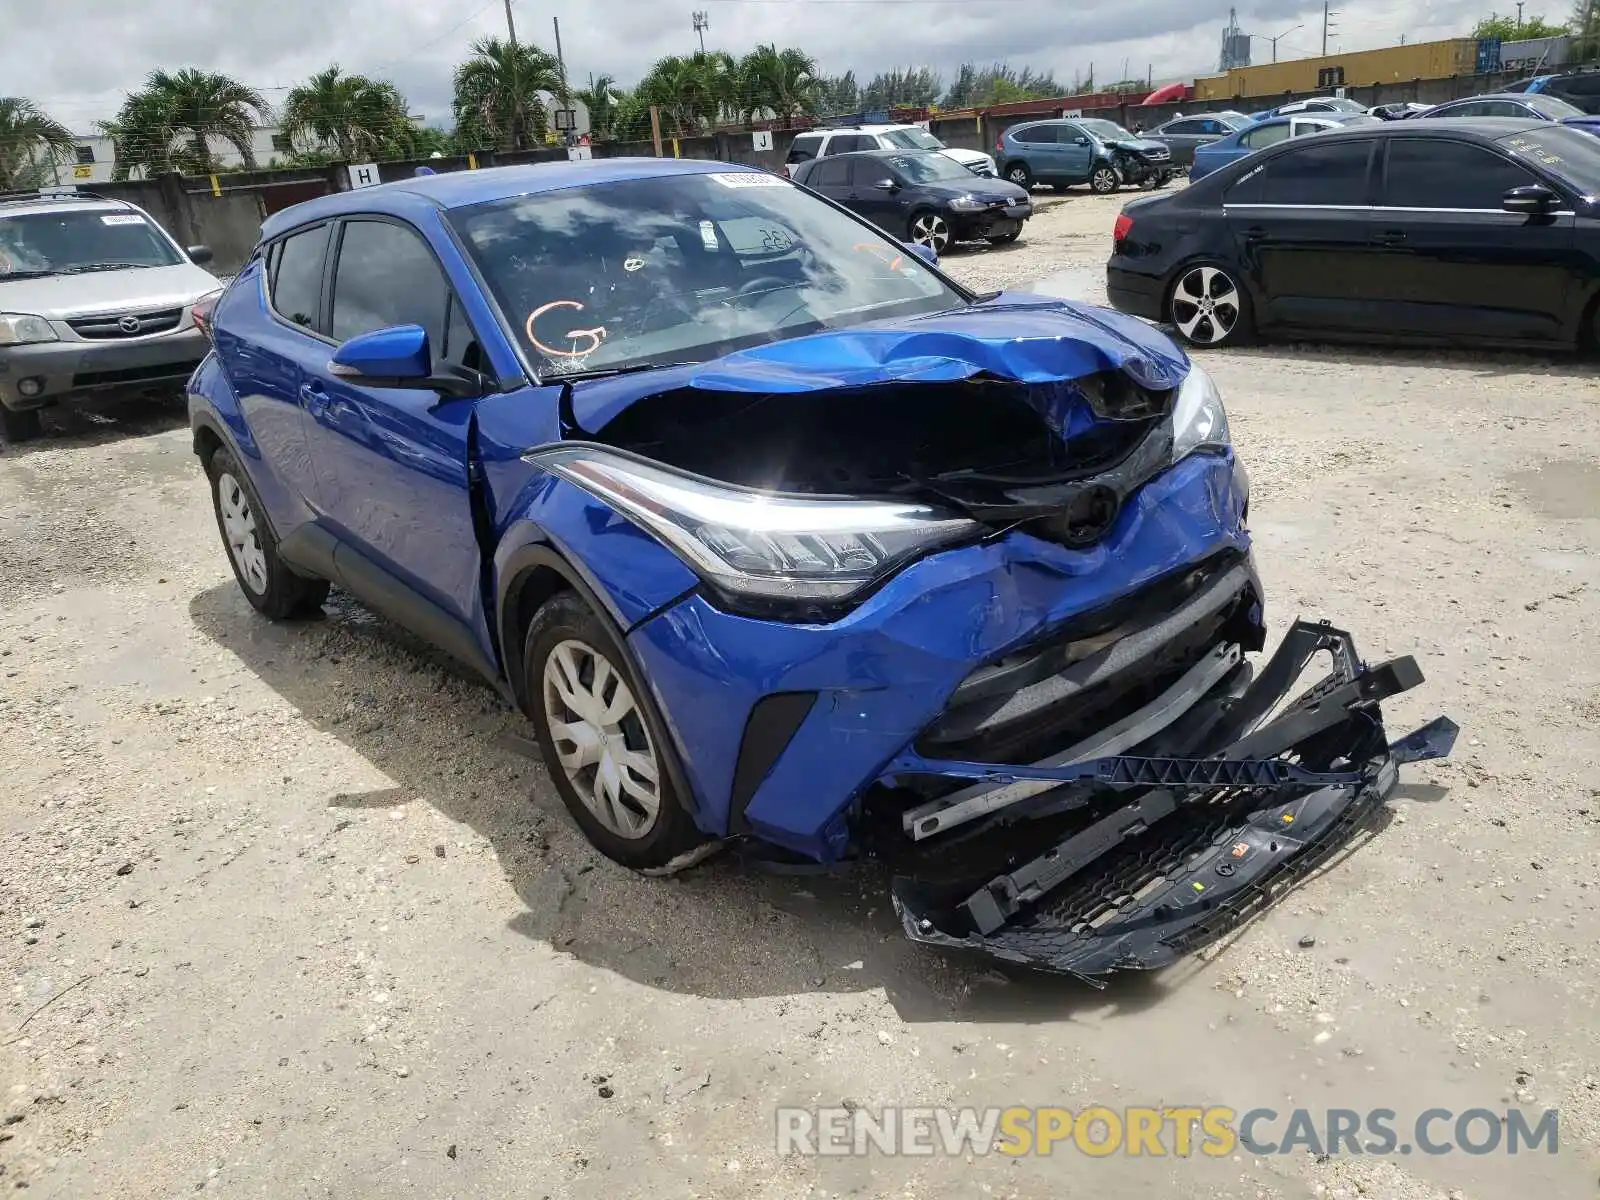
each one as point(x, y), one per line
point(544, 556)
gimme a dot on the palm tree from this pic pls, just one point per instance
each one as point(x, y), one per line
point(170, 123)
point(602, 101)
point(28, 134)
point(782, 82)
point(497, 92)
point(359, 118)
point(693, 92)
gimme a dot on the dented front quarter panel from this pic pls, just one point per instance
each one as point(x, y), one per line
point(885, 670)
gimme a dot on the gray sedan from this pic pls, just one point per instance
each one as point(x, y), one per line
point(1183, 135)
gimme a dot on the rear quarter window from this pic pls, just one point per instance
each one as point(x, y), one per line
point(804, 148)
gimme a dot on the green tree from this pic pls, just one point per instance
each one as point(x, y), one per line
point(30, 142)
point(358, 118)
point(1585, 28)
point(978, 87)
point(693, 92)
point(837, 93)
point(915, 87)
point(780, 82)
point(498, 90)
point(602, 100)
point(1507, 30)
point(171, 123)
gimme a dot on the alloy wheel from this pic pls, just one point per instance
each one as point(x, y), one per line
point(930, 229)
point(244, 540)
point(1205, 306)
point(1019, 176)
point(1104, 180)
point(601, 739)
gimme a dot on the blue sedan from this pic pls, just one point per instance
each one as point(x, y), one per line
point(1268, 133)
point(775, 533)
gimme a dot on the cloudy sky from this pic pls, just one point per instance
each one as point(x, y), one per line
point(77, 57)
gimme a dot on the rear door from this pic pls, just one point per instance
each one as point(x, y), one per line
point(831, 177)
point(1040, 151)
point(1299, 222)
point(392, 463)
point(1453, 261)
point(1181, 138)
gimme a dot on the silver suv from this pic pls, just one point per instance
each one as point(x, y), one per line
point(94, 296)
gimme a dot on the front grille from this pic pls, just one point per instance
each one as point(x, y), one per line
point(155, 374)
point(126, 325)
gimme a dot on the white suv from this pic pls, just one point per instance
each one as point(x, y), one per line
point(820, 142)
point(94, 296)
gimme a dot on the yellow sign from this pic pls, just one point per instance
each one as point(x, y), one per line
point(83, 172)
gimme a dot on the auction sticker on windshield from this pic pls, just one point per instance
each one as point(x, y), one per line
point(122, 219)
point(749, 179)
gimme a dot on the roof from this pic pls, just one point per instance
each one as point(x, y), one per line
point(63, 203)
point(461, 189)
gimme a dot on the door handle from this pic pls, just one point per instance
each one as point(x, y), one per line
point(1390, 237)
point(314, 396)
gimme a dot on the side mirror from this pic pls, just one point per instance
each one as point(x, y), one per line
point(1080, 140)
point(199, 255)
point(399, 357)
point(926, 253)
point(887, 185)
point(1534, 199)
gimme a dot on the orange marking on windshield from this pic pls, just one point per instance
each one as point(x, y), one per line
point(595, 335)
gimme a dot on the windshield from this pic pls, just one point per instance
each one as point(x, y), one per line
point(927, 168)
point(1105, 130)
point(69, 242)
point(685, 268)
point(1569, 153)
point(1344, 105)
point(1553, 107)
point(913, 139)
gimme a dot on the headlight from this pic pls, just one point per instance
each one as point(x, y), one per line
point(753, 543)
point(967, 204)
point(1198, 418)
point(20, 329)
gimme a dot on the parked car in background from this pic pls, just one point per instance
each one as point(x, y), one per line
point(1485, 231)
point(1183, 135)
point(1398, 111)
point(921, 197)
point(776, 534)
point(820, 143)
point(1065, 152)
point(1504, 104)
point(1587, 123)
point(1580, 88)
point(94, 297)
point(1316, 104)
point(1267, 133)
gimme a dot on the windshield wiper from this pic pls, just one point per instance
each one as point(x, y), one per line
point(86, 268)
point(10, 275)
point(606, 372)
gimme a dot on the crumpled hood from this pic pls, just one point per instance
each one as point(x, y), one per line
point(1016, 336)
point(1137, 145)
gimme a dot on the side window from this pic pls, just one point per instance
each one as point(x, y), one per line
point(1474, 109)
point(804, 147)
point(1578, 85)
point(1182, 127)
point(1212, 127)
point(1037, 135)
point(847, 143)
point(1434, 173)
point(830, 174)
point(386, 275)
point(1313, 174)
point(1270, 135)
point(295, 272)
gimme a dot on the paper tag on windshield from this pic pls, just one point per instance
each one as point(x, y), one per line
point(748, 179)
point(122, 219)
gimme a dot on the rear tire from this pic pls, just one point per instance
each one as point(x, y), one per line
point(1209, 307)
point(19, 425)
point(1019, 174)
point(596, 728)
point(267, 582)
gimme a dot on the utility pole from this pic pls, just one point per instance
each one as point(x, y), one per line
point(1327, 26)
point(511, 26)
point(562, 62)
point(1519, 15)
point(702, 22)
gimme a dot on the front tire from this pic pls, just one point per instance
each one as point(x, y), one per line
point(593, 720)
point(930, 229)
point(1103, 180)
point(19, 425)
point(1209, 307)
point(271, 587)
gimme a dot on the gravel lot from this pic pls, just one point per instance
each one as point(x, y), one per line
point(280, 915)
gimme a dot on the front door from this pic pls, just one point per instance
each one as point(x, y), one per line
point(1454, 261)
point(887, 208)
point(1074, 153)
point(1300, 226)
point(392, 464)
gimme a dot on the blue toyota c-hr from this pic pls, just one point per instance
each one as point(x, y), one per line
point(777, 534)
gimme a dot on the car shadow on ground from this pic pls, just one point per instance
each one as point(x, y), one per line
point(95, 421)
point(1488, 364)
point(725, 929)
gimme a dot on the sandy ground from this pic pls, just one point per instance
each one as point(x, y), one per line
point(282, 917)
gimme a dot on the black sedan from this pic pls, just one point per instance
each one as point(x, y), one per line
point(1484, 230)
point(920, 196)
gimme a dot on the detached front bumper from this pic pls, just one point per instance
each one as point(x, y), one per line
point(34, 375)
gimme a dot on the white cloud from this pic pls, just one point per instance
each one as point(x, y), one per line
point(78, 57)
